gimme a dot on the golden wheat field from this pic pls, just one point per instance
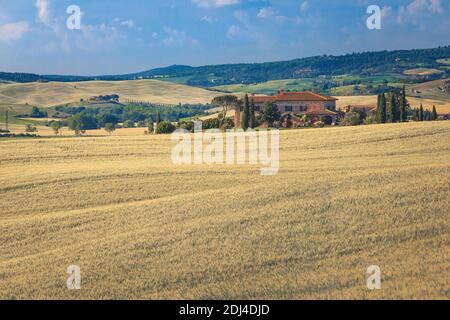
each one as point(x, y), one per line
point(57, 93)
point(141, 227)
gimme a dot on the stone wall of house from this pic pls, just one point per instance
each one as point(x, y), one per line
point(299, 106)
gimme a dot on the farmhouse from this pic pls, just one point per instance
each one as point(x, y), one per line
point(318, 107)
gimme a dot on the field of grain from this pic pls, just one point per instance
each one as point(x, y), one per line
point(141, 227)
point(442, 107)
point(56, 93)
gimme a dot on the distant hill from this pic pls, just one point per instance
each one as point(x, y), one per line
point(60, 93)
point(361, 64)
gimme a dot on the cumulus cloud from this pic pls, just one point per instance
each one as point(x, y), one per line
point(13, 31)
point(214, 3)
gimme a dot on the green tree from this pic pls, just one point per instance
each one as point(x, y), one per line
point(392, 111)
point(352, 118)
point(165, 127)
point(381, 109)
point(421, 113)
point(252, 114)
point(110, 127)
point(81, 122)
point(434, 114)
point(227, 102)
point(371, 118)
point(29, 128)
point(403, 106)
point(158, 118)
point(105, 117)
point(56, 126)
point(129, 124)
point(270, 113)
point(245, 123)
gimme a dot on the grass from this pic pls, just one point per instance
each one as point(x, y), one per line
point(13, 112)
point(432, 89)
point(271, 87)
point(142, 227)
point(59, 93)
point(422, 71)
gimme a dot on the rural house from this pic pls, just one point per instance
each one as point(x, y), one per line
point(318, 107)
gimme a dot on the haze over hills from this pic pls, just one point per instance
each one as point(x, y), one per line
point(364, 64)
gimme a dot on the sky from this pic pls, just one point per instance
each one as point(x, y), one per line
point(117, 37)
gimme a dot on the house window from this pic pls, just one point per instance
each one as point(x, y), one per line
point(303, 108)
point(288, 108)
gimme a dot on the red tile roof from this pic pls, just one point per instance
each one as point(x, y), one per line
point(293, 96)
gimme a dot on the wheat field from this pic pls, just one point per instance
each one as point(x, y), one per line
point(58, 93)
point(141, 227)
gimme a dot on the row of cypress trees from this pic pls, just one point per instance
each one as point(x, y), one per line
point(396, 110)
point(393, 107)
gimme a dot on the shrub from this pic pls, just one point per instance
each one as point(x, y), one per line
point(29, 128)
point(352, 118)
point(56, 126)
point(110, 127)
point(186, 125)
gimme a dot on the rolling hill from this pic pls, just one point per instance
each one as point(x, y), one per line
point(361, 64)
point(57, 93)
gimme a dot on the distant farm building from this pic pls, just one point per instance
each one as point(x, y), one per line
point(360, 108)
point(318, 107)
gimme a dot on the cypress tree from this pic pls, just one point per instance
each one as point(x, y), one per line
point(434, 113)
point(391, 117)
point(403, 111)
point(252, 114)
point(246, 115)
point(421, 113)
point(381, 112)
point(158, 117)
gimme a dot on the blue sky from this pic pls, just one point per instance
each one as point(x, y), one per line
point(135, 35)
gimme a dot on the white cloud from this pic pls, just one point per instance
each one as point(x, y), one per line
point(214, 3)
point(415, 11)
point(13, 31)
point(176, 38)
point(43, 11)
point(265, 13)
point(304, 6)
